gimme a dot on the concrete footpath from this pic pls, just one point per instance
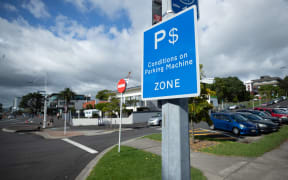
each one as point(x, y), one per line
point(272, 165)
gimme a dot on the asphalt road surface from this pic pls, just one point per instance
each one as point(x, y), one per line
point(28, 156)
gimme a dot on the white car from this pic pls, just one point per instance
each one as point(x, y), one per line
point(233, 107)
point(155, 120)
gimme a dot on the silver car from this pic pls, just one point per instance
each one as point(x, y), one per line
point(155, 120)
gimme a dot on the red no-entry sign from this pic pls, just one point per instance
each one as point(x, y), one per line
point(121, 86)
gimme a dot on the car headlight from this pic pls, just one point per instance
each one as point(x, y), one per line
point(262, 125)
point(242, 126)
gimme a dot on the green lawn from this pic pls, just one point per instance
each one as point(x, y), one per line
point(131, 164)
point(156, 137)
point(229, 148)
point(258, 148)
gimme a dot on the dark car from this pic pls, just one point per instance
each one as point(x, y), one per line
point(263, 125)
point(263, 114)
point(234, 123)
point(275, 113)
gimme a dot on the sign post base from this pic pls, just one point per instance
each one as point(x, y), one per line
point(175, 140)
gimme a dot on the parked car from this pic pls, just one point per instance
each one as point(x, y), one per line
point(155, 120)
point(275, 113)
point(264, 115)
point(233, 107)
point(264, 126)
point(11, 116)
point(285, 109)
point(277, 100)
point(234, 123)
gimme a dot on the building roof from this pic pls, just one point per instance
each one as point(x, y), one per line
point(266, 78)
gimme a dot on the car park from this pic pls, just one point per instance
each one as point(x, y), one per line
point(264, 126)
point(155, 120)
point(234, 123)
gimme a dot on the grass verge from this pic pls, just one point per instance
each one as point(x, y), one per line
point(131, 164)
point(230, 148)
point(255, 149)
point(156, 137)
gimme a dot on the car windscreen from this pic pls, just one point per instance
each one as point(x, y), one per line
point(278, 111)
point(263, 114)
point(254, 117)
point(239, 117)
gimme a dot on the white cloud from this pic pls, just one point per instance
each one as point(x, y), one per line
point(10, 7)
point(139, 12)
point(243, 38)
point(236, 38)
point(37, 8)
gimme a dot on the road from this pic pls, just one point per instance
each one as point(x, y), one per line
point(28, 156)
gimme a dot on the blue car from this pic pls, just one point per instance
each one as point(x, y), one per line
point(234, 123)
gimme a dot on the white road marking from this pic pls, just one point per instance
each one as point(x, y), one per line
point(85, 148)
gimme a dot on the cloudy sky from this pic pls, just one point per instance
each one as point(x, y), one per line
point(88, 45)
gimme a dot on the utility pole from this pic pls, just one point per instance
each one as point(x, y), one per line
point(45, 103)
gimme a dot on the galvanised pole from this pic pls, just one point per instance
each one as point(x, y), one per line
point(175, 130)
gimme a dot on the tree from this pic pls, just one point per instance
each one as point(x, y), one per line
point(33, 102)
point(284, 85)
point(101, 107)
point(198, 107)
point(104, 94)
point(89, 106)
point(230, 89)
point(112, 107)
point(67, 94)
point(269, 91)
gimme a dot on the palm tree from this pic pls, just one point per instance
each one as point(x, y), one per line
point(67, 94)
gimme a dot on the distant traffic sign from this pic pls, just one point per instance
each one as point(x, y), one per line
point(170, 60)
point(179, 5)
point(121, 86)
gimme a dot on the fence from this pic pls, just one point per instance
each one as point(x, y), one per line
point(134, 118)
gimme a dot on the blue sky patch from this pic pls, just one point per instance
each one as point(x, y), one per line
point(12, 10)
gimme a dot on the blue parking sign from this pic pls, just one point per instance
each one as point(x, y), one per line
point(170, 67)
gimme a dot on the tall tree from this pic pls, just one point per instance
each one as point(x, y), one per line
point(104, 94)
point(230, 89)
point(33, 102)
point(284, 85)
point(67, 95)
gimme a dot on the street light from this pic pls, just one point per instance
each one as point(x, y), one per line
point(45, 98)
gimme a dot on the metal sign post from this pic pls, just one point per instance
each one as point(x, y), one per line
point(120, 125)
point(121, 87)
point(170, 72)
point(65, 117)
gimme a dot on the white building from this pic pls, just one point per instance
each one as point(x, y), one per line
point(16, 103)
point(249, 85)
point(132, 100)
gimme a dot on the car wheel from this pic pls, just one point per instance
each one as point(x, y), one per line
point(212, 127)
point(236, 131)
point(160, 123)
